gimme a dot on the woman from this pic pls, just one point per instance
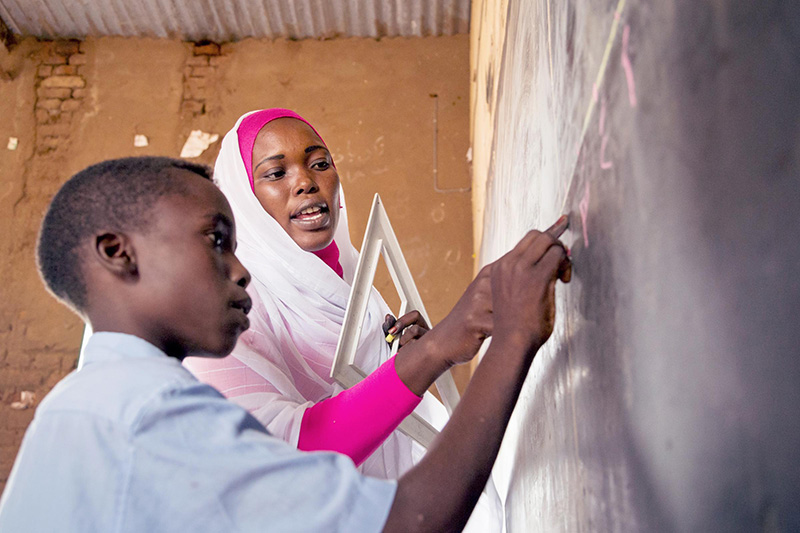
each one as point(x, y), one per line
point(282, 184)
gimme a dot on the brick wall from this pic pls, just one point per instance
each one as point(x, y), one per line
point(61, 88)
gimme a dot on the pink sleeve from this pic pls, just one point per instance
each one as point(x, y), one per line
point(357, 420)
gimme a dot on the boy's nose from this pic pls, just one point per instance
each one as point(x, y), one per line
point(239, 274)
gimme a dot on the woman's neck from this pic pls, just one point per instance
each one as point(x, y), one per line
point(330, 256)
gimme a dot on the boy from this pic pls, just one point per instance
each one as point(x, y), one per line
point(143, 250)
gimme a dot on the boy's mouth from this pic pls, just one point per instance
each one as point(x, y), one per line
point(244, 304)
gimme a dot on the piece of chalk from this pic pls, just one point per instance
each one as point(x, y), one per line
point(390, 338)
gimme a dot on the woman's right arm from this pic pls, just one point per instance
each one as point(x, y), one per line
point(455, 340)
point(357, 420)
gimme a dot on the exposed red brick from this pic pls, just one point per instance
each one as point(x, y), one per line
point(65, 70)
point(78, 93)
point(53, 130)
point(45, 144)
point(44, 71)
point(194, 89)
point(48, 103)
point(197, 61)
point(216, 61)
point(199, 72)
point(66, 48)
point(63, 81)
point(42, 116)
point(55, 60)
point(77, 59)
point(53, 92)
point(70, 105)
point(192, 107)
point(210, 49)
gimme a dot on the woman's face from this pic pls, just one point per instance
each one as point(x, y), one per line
point(296, 183)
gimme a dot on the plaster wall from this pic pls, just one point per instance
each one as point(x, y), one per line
point(384, 107)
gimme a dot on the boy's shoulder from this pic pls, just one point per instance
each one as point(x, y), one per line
point(121, 376)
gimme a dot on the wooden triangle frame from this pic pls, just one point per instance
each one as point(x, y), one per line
point(379, 239)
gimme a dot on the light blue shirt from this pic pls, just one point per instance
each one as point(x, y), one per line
point(134, 443)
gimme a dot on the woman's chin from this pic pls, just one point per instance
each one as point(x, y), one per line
point(314, 241)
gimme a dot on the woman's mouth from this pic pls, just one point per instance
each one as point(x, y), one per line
point(312, 217)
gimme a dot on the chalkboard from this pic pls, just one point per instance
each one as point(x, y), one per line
point(669, 396)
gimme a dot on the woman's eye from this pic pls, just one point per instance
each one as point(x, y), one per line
point(321, 165)
point(274, 175)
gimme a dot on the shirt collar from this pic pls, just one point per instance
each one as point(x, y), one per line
point(105, 345)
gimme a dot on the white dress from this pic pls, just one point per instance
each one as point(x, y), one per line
point(299, 307)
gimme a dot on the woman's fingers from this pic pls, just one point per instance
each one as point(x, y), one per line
point(388, 322)
point(408, 319)
point(412, 333)
point(414, 319)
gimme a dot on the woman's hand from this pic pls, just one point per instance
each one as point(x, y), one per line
point(455, 340)
point(411, 326)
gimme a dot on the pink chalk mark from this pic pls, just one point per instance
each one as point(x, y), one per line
point(584, 208)
point(626, 65)
point(602, 115)
point(616, 16)
point(605, 165)
point(595, 92)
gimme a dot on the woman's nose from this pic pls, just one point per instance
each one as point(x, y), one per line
point(304, 183)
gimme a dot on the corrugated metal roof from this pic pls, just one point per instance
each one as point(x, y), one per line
point(230, 20)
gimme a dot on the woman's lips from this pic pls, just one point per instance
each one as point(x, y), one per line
point(312, 218)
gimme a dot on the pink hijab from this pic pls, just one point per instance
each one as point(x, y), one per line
point(248, 130)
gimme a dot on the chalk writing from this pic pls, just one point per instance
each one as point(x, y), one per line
point(626, 65)
point(597, 83)
point(602, 122)
point(584, 208)
point(604, 164)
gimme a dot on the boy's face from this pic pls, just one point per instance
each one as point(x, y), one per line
point(191, 296)
point(296, 183)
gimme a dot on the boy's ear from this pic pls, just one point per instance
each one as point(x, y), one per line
point(115, 253)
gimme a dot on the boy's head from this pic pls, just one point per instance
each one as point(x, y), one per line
point(145, 246)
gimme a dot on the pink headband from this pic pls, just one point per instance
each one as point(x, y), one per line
point(252, 124)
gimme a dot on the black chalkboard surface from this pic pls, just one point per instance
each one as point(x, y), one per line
point(669, 395)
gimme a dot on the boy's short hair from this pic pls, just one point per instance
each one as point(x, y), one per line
point(114, 195)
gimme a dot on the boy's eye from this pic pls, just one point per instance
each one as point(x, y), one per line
point(217, 239)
